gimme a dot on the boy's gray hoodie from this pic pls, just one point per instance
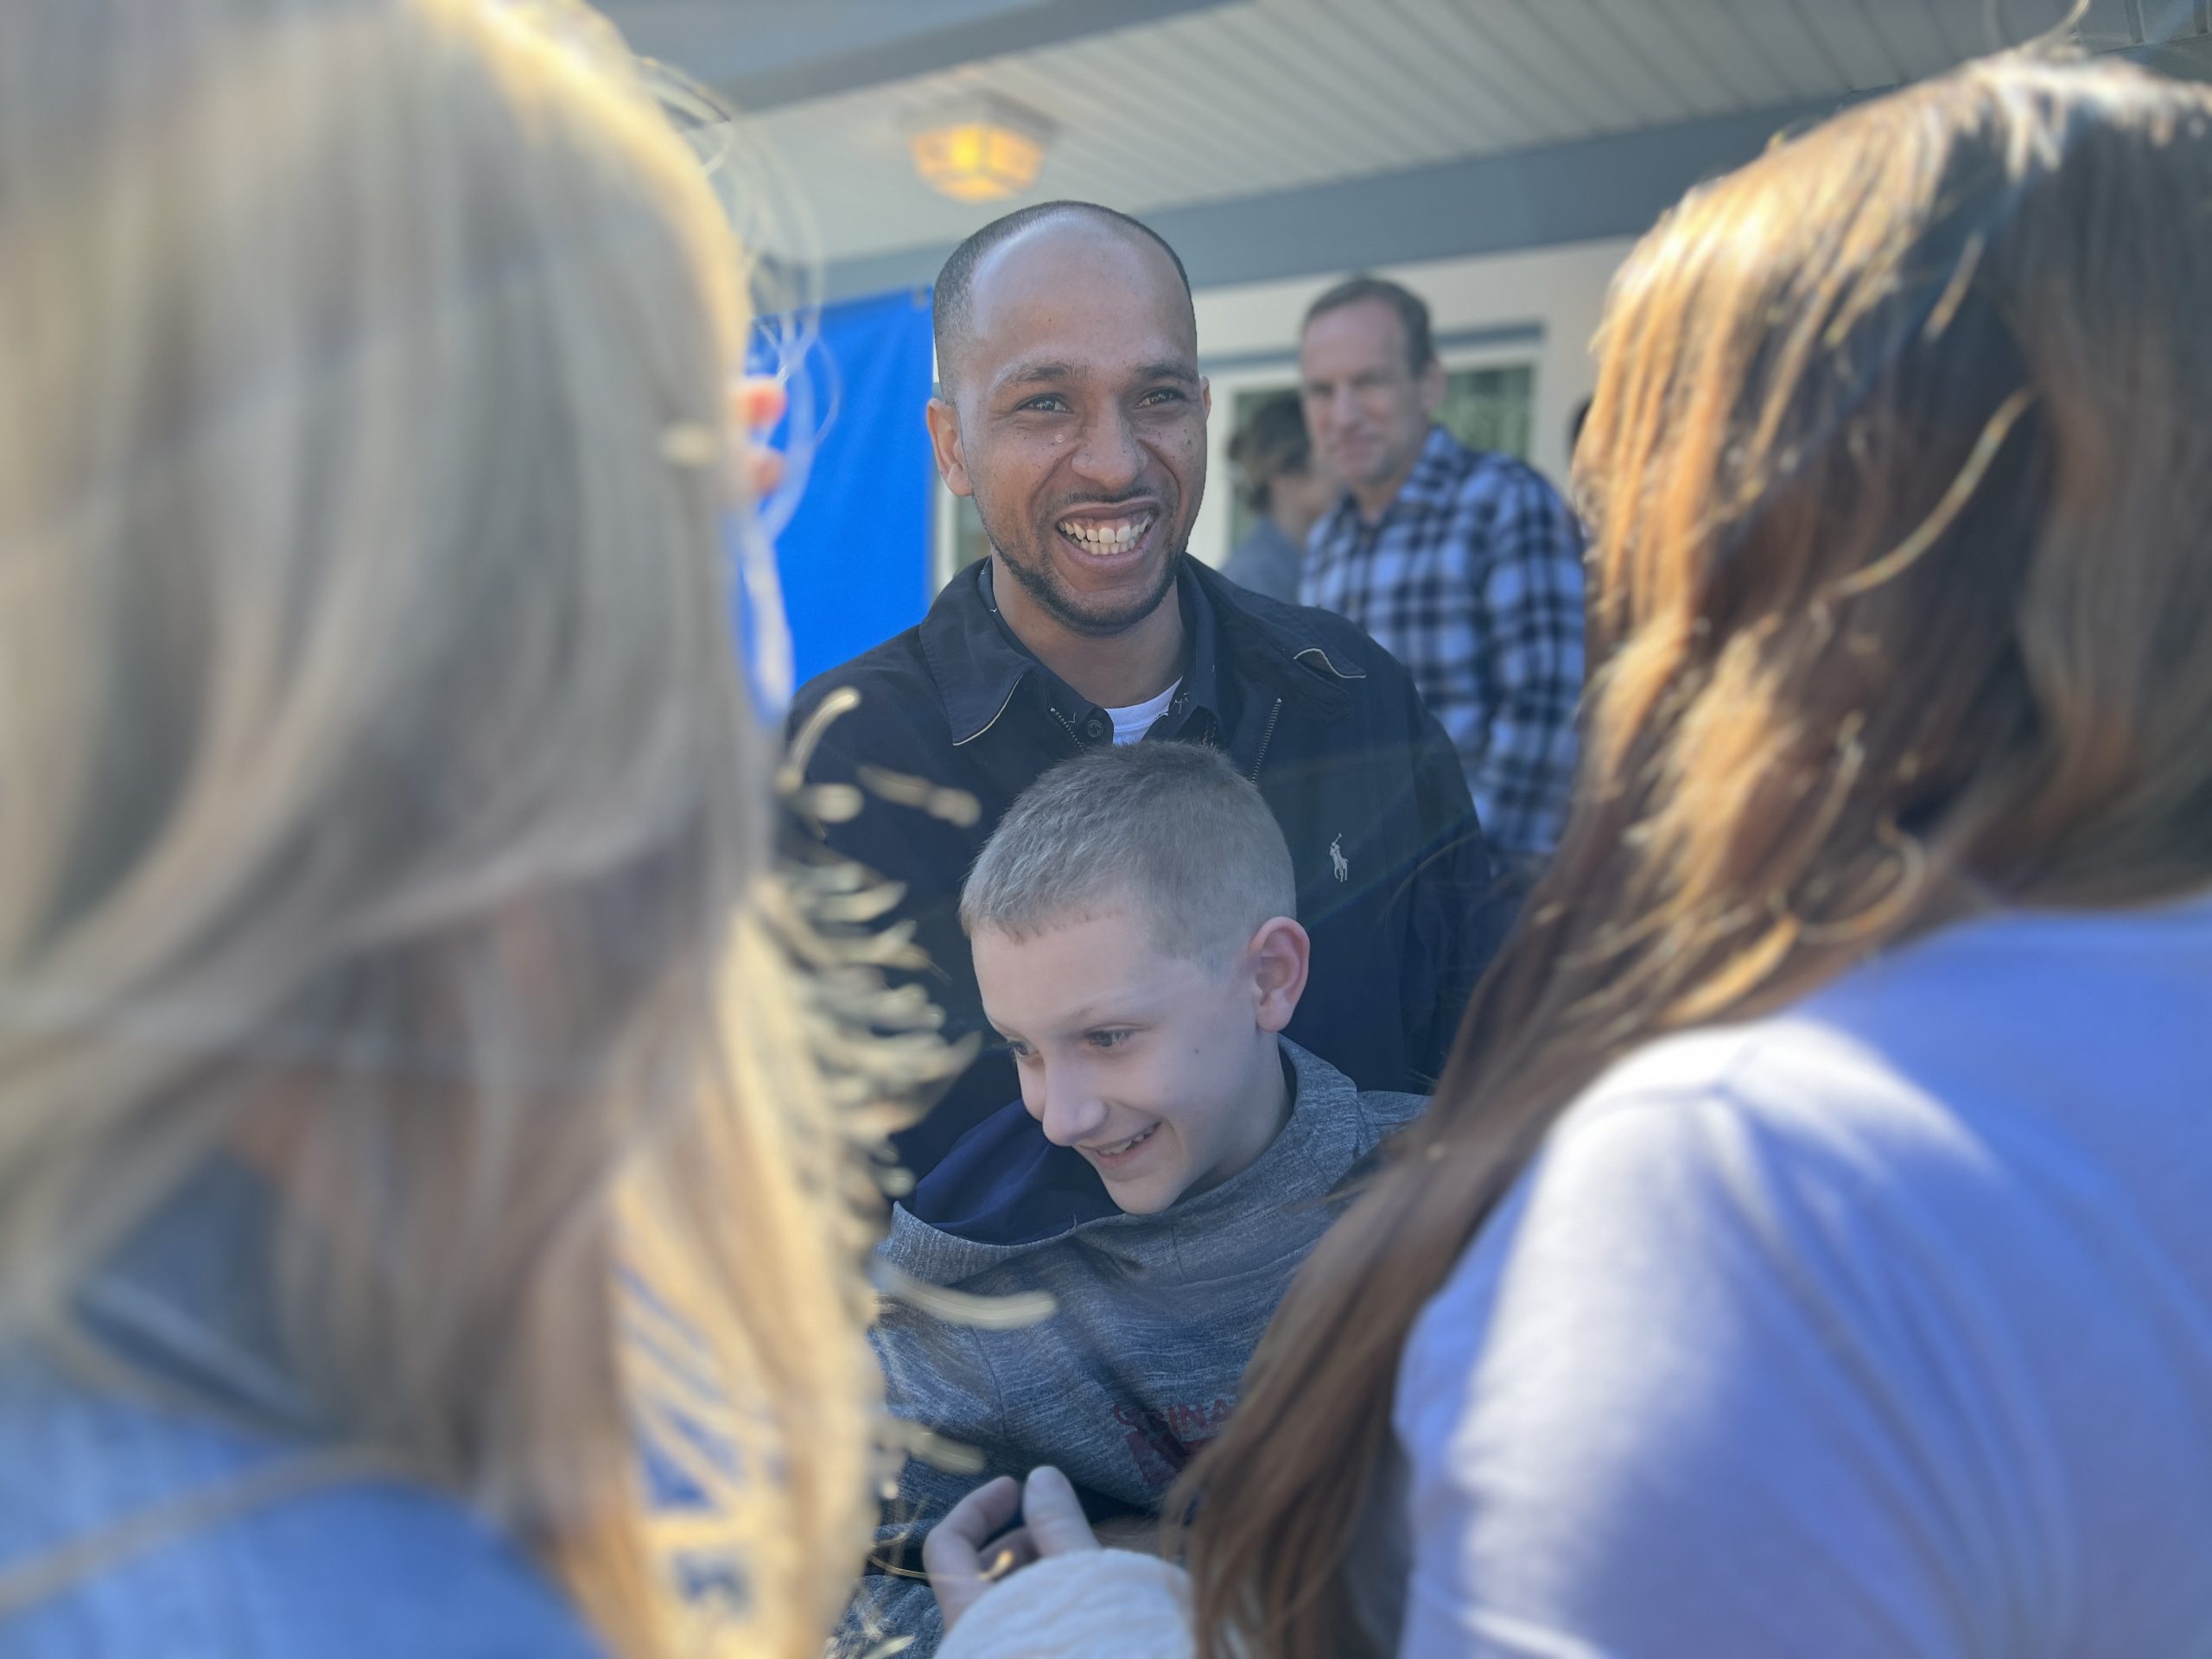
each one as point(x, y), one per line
point(1156, 1316)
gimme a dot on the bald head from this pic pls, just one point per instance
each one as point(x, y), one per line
point(999, 248)
point(1071, 411)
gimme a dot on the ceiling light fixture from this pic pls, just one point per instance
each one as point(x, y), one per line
point(979, 148)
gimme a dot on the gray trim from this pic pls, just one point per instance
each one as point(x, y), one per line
point(802, 49)
point(1510, 334)
point(2184, 59)
point(1579, 191)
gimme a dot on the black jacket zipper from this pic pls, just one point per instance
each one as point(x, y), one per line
point(1266, 737)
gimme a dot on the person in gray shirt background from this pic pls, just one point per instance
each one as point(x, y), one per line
point(1280, 482)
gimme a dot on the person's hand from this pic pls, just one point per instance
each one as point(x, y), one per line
point(966, 1555)
point(756, 403)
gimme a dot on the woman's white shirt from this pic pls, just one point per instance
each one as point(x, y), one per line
point(1880, 1326)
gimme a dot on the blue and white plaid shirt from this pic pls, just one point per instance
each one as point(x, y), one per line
point(1473, 580)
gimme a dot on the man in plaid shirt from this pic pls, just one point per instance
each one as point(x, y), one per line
point(1466, 566)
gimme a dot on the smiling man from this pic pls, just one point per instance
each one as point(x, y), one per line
point(1071, 409)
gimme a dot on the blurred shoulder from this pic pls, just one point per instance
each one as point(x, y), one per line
point(1491, 475)
point(895, 666)
point(891, 713)
point(1389, 1110)
point(354, 1569)
point(196, 1541)
point(398, 1569)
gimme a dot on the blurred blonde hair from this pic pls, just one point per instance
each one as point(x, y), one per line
point(380, 793)
point(1901, 470)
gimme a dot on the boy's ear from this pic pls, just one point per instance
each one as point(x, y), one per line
point(1280, 953)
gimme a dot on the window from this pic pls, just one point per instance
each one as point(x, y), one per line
point(1490, 409)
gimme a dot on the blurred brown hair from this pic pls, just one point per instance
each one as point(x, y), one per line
point(1272, 442)
point(1901, 471)
point(1411, 312)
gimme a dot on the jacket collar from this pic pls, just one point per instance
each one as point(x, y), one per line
point(1430, 484)
point(976, 667)
point(1435, 471)
point(979, 666)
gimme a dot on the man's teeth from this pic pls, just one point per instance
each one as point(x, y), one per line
point(1115, 535)
point(1116, 1151)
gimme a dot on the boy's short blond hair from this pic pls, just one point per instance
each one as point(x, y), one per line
point(1171, 827)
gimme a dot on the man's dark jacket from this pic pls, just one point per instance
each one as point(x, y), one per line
point(1394, 877)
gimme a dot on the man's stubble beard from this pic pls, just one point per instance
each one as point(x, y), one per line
point(1042, 586)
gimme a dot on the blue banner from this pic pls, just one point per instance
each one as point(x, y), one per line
point(855, 559)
